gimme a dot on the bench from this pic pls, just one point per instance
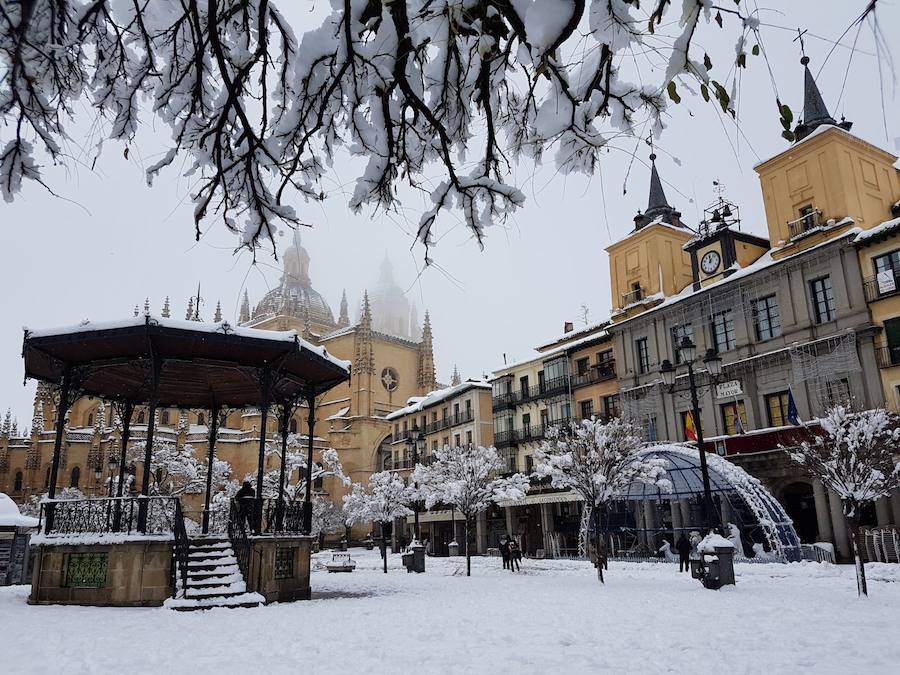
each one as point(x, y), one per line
point(340, 562)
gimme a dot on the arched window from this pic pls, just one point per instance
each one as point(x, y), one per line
point(293, 426)
point(17, 485)
point(90, 419)
point(47, 478)
point(318, 481)
point(141, 418)
point(164, 418)
point(201, 419)
point(75, 477)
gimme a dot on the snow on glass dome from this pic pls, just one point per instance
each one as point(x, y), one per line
point(752, 506)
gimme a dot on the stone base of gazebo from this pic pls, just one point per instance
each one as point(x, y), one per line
point(132, 573)
point(279, 567)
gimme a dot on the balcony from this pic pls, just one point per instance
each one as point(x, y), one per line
point(600, 372)
point(887, 356)
point(632, 296)
point(505, 439)
point(876, 288)
point(805, 224)
point(449, 421)
point(503, 401)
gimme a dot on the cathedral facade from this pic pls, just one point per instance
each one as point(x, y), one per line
point(392, 359)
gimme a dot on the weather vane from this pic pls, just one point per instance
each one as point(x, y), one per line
point(800, 34)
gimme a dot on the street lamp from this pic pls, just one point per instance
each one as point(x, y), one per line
point(412, 442)
point(112, 463)
point(713, 363)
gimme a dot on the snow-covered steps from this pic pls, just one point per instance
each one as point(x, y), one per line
point(214, 579)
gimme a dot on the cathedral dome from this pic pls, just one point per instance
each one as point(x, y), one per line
point(392, 312)
point(295, 296)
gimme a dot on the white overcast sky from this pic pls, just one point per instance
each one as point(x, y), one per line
point(110, 241)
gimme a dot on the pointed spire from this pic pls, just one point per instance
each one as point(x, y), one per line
point(245, 308)
point(136, 310)
point(146, 306)
point(7, 423)
point(815, 112)
point(455, 379)
point(657, 204)
point(166, 311)
point(365, 355)
point(14, 430)
point(217, 317)
point(344, 318)
point(426, 379)
point(189, 315)
point(100, 421)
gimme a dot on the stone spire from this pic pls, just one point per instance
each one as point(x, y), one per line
point(426, 379)
point(189, 315)
point(455, 379)
point(146, 306)
point(7, 423)
point(37, 420)
point(365, 356)
point(217, 317)
point(100, 422)
point(136, 310)
point(815, 112)
point(344, 318)
point(245, 308)
point(166, 311)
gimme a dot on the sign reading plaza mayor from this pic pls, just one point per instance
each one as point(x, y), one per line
point(729, 389)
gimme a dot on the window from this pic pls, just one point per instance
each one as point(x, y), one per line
point(560, 411)
point(685, 330)
point(318, 481)
point(541, 381)
point(201, 419)
point(650, 428)
point(556, 370)
point(636, 291)
point(293, 426)
point(777, 409)
point(446, 440)
point(582, 365)
point(526, 425)
point(469, 437)
point(468, 408)
point(605, 357)
point(892, 341)
point(164, 418)
point(75, 477)
point(587, 409)
point(543, 419)
point(456, 440)
point(529, 463)
point(90, 420)
point(141, 418)
point(723, 331)
point(642, 355)
point(838, 392)
point(887, 272)
point(611, 406)
point(729, 420)
point(823, 299)
point(456, 411)
point(444, 415)
point(766, 320)
point(434, 446)
point(17, 484)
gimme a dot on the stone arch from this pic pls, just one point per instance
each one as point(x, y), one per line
point(384, 454)
point(75, 477)
point(17, 481)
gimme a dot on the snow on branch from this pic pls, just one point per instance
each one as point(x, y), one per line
point(386, 497)
point(441, 95)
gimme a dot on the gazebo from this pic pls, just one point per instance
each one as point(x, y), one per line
point(162, 362)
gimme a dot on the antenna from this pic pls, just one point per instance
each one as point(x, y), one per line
point(197, 305)
point(800, 34)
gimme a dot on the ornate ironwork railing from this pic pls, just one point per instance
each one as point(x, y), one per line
point(885, 286)
point(281, 517)
point(180, 551)
point(806, 223)
point(104, 515)
point(238, 517)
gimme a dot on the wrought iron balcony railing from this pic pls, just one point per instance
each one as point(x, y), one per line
point(632, 296)
point(884, 287)
point(887, 356)
point(600, 372)
point(806, 223)
point(104, 515)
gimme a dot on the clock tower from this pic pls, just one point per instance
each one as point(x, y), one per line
point(720, 248)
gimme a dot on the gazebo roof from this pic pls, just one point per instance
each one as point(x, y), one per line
point(201, 364)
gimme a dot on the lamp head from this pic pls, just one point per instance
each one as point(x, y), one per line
point(713, 362)
point(667, 370)
point(688, 349)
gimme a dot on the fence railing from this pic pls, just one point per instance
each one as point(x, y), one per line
point(104, 515)
point(882, 287)
point(887, 356)
point(180, 551)
point(237, 535)
point(805, 223)
point(880, 544)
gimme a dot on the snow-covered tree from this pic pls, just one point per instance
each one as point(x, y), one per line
point(598, 461)
point(327, 518)
point(33, 506)
point(386, 497)
point(443, 95)
point(176, 471)
point(856, 458)
point(467, 478)
point(327, 464)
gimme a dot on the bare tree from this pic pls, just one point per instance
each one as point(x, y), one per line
point(441, 95)
point(598, 461)
point(856, 459)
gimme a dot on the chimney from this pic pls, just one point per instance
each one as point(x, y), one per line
point(568, 327)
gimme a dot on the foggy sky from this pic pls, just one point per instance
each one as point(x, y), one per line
point(109, 241)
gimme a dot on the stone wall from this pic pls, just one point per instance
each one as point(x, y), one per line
point(279, 568)
point(136, 574)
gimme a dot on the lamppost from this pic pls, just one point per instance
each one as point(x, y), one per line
point(713, 364)
point(414, 440)
point(112, 463)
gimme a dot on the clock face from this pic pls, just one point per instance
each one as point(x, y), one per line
point(710, 262)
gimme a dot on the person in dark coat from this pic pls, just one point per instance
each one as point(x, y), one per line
point(504, 551)
point(515, 555)
point(244, 500)
point(683, 546)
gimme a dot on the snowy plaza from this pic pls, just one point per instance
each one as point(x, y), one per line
point(551, 617)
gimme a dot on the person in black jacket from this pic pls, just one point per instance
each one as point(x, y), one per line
point(515, 555)
point(683, 546)
point(504, 551)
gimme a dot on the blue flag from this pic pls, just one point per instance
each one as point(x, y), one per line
point(792, 416)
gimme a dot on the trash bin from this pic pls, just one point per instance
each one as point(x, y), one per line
point(453, 547)
point(418, 558)
point(717, 563)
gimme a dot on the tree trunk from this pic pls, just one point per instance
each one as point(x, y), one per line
point(383, 547)
point(598, 557)
point(468, 547)
point(853, 529)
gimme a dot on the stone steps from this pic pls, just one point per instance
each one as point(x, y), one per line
point(214, 578)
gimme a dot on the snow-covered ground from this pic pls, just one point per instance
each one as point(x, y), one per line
point(551, 617)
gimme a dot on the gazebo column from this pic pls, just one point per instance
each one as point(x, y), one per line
point(126, 413)
point(148, 447)
point(307, 498)
point(61, 410)
point(265, 385)
point(210, 461)
point(284, 425)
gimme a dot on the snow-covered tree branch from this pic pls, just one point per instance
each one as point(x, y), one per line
point(468, 479)
point(441, 95)
point(386, 497)
point(857, 459)
point(597, 461)
point(327, 465)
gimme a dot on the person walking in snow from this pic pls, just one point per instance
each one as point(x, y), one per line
point(515, 555)
point(504, 551)
point(683, 546)
point(244, 500)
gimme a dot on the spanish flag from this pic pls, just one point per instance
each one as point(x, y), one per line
point(690, 430)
